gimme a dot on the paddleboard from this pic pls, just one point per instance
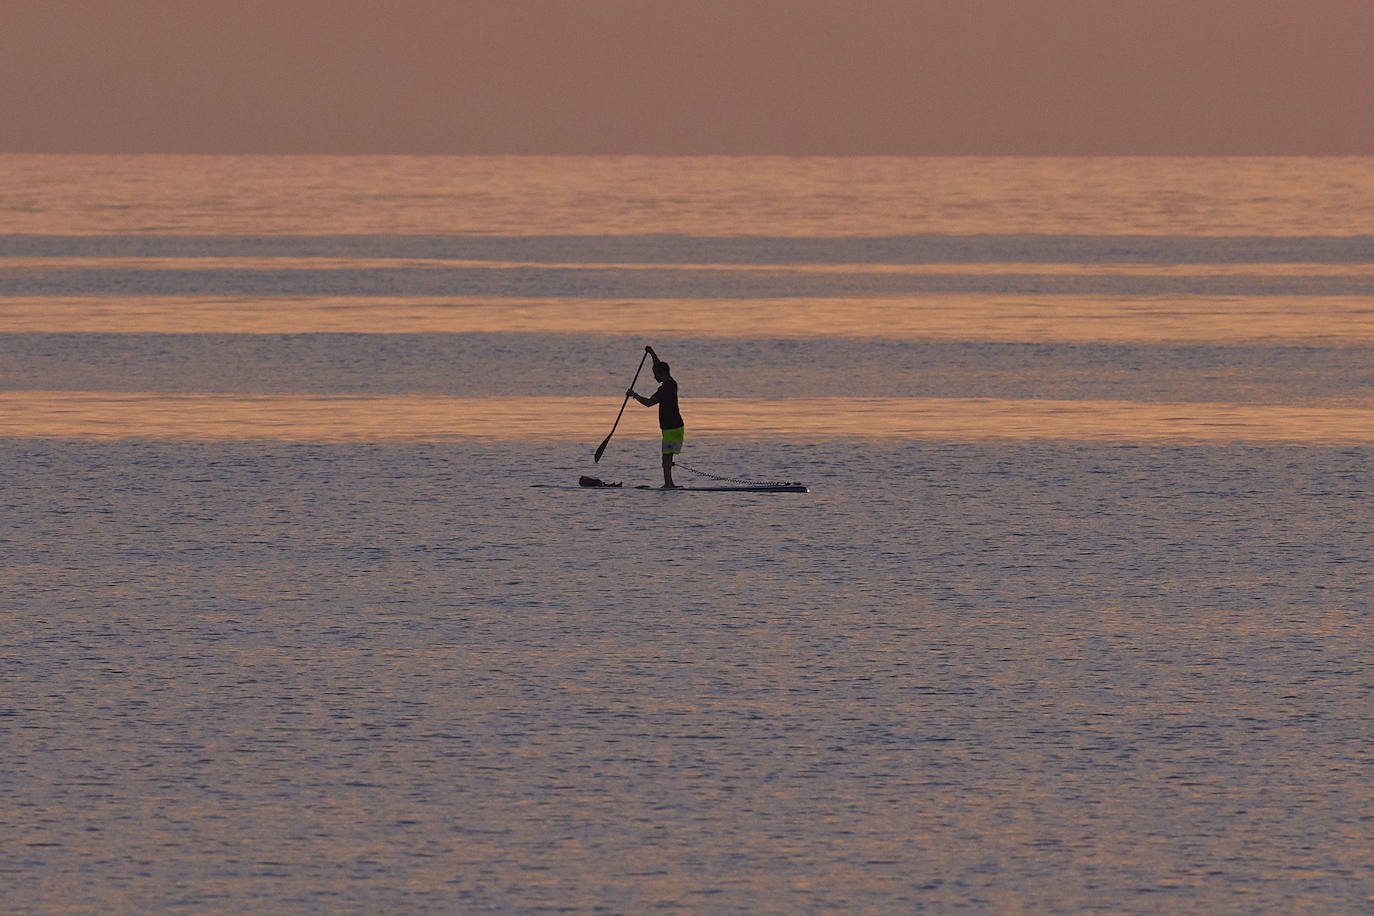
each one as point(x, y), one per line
point(762, 488)
point(734, 488)
point(573, 486)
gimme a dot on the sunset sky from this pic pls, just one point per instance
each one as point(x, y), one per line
point(688, 76)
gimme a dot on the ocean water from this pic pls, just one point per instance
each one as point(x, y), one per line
point(1076, 615)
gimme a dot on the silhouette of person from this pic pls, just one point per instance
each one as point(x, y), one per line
point(669, 418)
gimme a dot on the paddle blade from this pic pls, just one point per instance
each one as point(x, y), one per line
point(607, 441)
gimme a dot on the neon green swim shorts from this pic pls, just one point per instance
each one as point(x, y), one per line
point(672, 440)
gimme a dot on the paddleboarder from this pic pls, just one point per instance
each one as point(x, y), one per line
point(669, 419)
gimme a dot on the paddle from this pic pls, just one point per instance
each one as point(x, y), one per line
point(607, 441)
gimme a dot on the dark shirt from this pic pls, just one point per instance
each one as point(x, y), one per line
point(666, 399)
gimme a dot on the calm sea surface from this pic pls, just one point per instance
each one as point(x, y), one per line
point(1076, 616)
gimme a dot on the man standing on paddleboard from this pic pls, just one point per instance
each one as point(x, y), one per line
point(669, 420)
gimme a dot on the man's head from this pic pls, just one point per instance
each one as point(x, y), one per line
point(660, 370)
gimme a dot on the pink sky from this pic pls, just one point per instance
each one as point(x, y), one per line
point(688, 76)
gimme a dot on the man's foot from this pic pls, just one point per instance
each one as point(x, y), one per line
point(671, 486)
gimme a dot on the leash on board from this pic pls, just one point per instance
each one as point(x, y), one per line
point(740, 480)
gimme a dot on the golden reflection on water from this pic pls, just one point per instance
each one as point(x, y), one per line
point(689, 195)
point(215, 417)
point(1334, 320)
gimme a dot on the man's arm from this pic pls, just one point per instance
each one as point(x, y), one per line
point(652, 399)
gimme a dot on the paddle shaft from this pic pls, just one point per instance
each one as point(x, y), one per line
point(607, 441)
